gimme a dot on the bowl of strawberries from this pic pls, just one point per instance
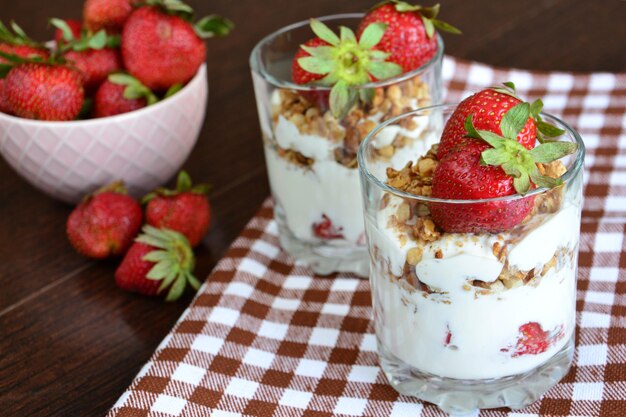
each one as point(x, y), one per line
point(120, 95)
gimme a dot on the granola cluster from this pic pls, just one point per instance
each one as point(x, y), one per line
point(348, 133)
point(413, 219)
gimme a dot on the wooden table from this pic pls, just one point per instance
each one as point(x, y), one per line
point(70, 341)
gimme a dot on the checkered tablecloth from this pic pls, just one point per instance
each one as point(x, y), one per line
point(264, 337)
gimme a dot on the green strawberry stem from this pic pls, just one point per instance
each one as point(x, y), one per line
point(427, 14)
point(545, 130)
point(173, 259)
point(346, 63)
point(183, 185)
point(14, 60)
point(134, 88)
point(517, 161)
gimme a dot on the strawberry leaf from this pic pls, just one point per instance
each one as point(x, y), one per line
point(494, 157)
point(429, 26)
point(545, 181)
point(322, 52)
point(316, 65)
point(342, 98)
point(446, 27)
point(156, 256)
point(134, 88)
point(213, 26)
point(535, 108)
point(372, 35)
point(177, 289)
point(183, 182)
point(514, 120)
point(551, 151)
point(367, 94)
point(383, 70)
point(98, 41)
point(522, 183)
point(173, 90)
point(167, 281)
point(346, 34)
point(402, 6)
point(323, 32)
point(160, 270)
point(549, 130)
point(65, 29)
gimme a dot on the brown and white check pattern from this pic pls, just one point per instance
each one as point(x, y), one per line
point(264, 337)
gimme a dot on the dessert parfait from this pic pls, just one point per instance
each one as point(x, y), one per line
point(473, 248)
point(319, 93)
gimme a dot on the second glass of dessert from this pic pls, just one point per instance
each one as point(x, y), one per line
point(312, 129)
point(473, 247)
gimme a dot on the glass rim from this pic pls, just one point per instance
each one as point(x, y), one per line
point(369, 176)
point(257, 67)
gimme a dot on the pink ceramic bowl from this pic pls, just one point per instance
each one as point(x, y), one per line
point(145, 148)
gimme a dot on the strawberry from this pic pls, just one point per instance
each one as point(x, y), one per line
point(106, 14)
point(533, 340)
point(410, 35)
point(20, 51)
point(95, 64)
point(158, 260)
point(121, 93)
point(185, 210)
point(341, 62)
point(485, 165)
point(105, 223)
point(76, 28)
point(44, 91)
point(162, 48)
point(326, 230)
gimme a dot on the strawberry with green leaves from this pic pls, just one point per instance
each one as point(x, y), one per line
point(121, 93)
point(185, 209)
point(487, 108)
point(95, 55)
point(343, 62)
point(484, 164)
point(160, 45)
point(105, 223)
point(159, 260)
point(410, 38)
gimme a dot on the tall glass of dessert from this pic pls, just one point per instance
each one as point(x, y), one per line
point(470, 320)
point(311, 154)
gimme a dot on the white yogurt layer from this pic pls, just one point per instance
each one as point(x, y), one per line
point(414, 326)
point(327, 187)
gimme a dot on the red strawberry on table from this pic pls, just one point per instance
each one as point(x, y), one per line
point(410, 35)
point(162, 48)
point(106, 14)
point(44, 91)
point(105, 223)
point(158, 260)
point(121, 93)
point(342, 62)
point(484, 165)
point(185, 210)
point(533, 340)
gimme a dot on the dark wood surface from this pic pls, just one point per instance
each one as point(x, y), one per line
point(70, 341)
